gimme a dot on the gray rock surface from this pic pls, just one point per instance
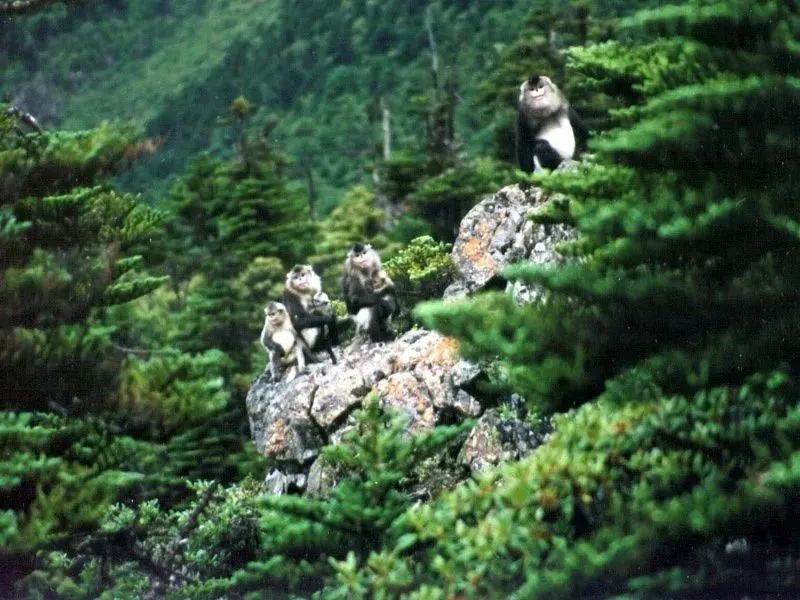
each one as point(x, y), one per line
point(496, 438)
point(496, 232)
point(420, 374)
point(291, 420)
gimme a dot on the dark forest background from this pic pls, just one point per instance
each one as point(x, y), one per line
point(191, 152)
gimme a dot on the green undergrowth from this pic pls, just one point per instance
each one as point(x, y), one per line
point(635, 493)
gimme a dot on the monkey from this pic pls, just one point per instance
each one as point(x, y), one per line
point(318, 331)
point(548, 130)
point(370, 309)
point(383, 286)
point(321, 305)
point(281, 341)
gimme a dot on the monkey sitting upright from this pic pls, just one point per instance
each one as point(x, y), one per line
point(370, 309)
point(281, 341)
point(318, 331)
point(383, 286)
point(546, 126)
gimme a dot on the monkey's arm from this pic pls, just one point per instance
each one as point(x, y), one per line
point(579, 128)
point(268, 343)
point(300, 317)
point(390, 297)
point(525, 140)
point(358, 296)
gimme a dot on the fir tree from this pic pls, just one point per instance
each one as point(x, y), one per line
point(65, 241)
point(687, 249)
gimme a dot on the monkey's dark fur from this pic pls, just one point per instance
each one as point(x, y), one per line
point(370, 309)
point(548, 130)
point(319, 332)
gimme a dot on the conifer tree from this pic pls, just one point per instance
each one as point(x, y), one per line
point(64, 240)
point(675, 329)
point(65, 256)
point(687, 249)
point(231, 213)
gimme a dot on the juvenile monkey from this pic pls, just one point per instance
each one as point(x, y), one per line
point(321, 305)
point(369, 308)
point(383, 286)
point(281, 341)
point(318, 331)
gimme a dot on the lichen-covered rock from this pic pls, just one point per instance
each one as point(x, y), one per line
point(321, 478)
point(420, 374)
point(338, 392)
point(283, 429)
point(405, 394)
point(464, 373)
point(280, 482)
point(496, 438)
point(497, 232)
point(291, 421)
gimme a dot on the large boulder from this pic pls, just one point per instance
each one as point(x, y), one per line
point(497, 232)
point(420, 374)
point(291, 420)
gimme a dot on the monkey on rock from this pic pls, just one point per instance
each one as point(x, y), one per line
point(281, 341)
point(548, 130)
point(319, 331)
point(369, 307)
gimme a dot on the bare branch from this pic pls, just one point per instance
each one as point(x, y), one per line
point(387, 129)
point(21, 7)
point(432, 47)
point(144, 351)
point(25, 117)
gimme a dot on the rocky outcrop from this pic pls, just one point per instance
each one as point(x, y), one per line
point(291, 420)
point(498, 437)
point(420, 374)
point(497, 232)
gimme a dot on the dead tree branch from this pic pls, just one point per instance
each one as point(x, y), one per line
point(21, 7)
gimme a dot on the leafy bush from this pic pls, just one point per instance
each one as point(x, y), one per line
point(421, 270)
point(636, 493)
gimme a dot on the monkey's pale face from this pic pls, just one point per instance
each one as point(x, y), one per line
point(539, 96)
point(305, 280)
point(276, 317)
point(366, 260)
point(321, 300)
point(380, 282)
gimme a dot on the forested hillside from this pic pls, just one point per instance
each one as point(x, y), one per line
point(315, 71)
point(165, 165)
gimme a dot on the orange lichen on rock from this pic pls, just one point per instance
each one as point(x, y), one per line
point(475, 249)
point(277, 441)
point(444, 352)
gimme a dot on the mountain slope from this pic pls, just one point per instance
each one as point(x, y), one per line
point(317, 68)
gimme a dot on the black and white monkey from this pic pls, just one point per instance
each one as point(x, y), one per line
point(319, 331)
point(280, 340)
point(383, 285)
point(370, 308)
point(321, 305)
point(548, 130)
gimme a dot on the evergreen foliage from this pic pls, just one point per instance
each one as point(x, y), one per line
point(356, 219)
point(667, 344)
point(638, 494)
point(686, 252)
point(62, 257)
point(678, 303)
point(239, 539)
point(236, 225)
point(319, 67)
point(422, 270)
